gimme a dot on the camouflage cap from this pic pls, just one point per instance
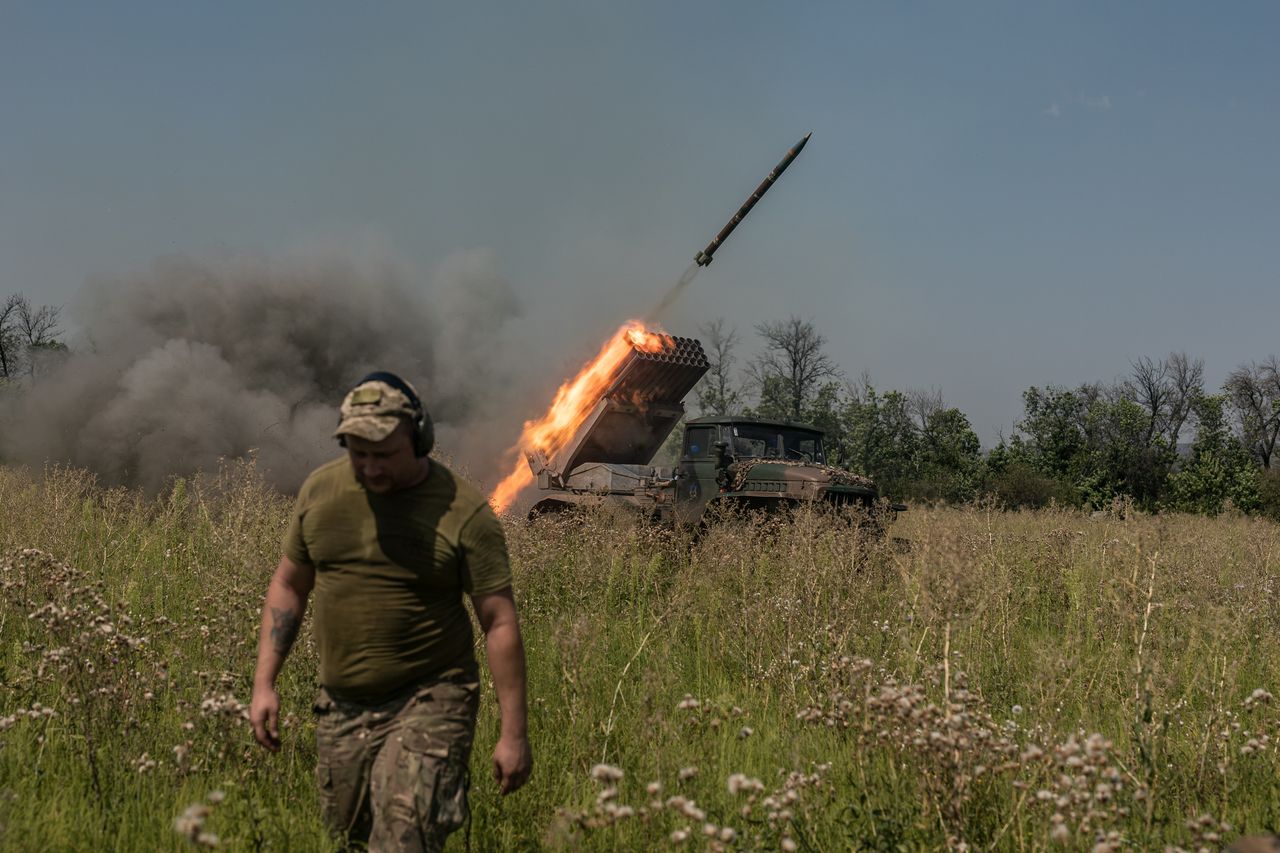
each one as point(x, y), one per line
point(373, 410)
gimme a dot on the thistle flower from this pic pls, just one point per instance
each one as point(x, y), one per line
point(606, 773)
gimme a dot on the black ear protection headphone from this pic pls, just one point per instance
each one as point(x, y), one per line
point(424, 434)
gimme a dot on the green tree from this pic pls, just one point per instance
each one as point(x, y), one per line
point(881, 439)
point(1220, 468)
point(1053, 423)
point(1125, 456)
point(1099, 441)
point(824, 412)
point(950, 463)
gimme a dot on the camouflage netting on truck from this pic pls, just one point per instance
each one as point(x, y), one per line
point(741, 470)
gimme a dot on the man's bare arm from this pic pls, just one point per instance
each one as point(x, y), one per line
point(282, 613)
point(512, 758)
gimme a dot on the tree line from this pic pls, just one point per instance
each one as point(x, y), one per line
point(1157, 437)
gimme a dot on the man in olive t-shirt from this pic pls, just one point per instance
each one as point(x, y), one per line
point(390, 541)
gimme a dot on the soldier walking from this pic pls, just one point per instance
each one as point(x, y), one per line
point(390, 541)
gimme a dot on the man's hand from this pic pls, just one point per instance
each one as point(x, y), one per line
point(281, 615)
point(512, 758)
point(512, 762)
point(264, 714)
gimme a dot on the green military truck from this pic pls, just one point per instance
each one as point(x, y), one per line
point(751, 463)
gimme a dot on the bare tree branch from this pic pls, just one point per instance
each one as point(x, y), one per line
point(10, 342)
point(1165, 389)
point(25, 331)
point(794, 357)
point(1186, 377)
point(37, 327)
point(1253, 392)
point(717, 394)
point(1149, 382)
point(923, 405)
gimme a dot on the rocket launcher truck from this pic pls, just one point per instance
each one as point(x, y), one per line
point(746, 462)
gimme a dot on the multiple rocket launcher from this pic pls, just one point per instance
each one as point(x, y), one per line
point(643, 402)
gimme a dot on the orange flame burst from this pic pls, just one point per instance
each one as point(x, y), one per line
point(573, 402)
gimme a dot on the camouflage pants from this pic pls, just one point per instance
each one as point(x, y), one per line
point(395, 775)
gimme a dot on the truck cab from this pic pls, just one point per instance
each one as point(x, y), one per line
point(760, 464)
point(752, 463)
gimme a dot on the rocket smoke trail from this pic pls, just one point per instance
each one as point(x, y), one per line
point(673, 294)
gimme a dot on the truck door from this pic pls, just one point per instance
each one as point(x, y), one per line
point(697, 482)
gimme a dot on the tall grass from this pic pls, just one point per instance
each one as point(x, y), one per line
point(1019, 681)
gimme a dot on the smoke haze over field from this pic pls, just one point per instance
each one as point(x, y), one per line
point(193, 361)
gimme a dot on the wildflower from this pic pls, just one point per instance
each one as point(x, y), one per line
point(688, 703)
point(653, 788)
point(745, 732)
point(606, 773)
point(788, 845)
point(727, 834)
point(191, 821)
point(679, 836)
point(686, 807)
point(687, 773)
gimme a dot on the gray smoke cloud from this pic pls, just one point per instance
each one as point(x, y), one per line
point(194, 361)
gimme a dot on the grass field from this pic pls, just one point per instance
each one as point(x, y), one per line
point(1016, 681)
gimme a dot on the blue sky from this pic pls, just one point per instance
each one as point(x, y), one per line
point(995, 195)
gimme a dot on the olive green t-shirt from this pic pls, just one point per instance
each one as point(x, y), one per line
point(391, 571)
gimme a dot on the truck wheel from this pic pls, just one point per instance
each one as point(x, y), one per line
point(553, 509)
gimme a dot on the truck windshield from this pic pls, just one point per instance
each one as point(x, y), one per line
point(767, 442)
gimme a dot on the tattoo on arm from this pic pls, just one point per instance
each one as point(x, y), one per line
point(284, 628)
